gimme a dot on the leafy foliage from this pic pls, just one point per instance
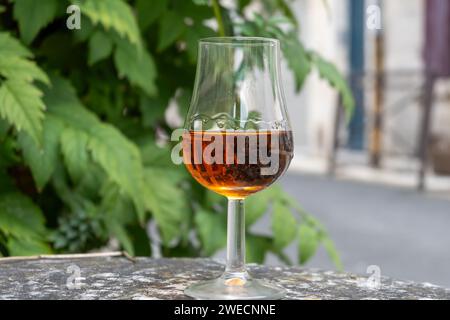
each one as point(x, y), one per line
point(20, 100)
point(42, 160)
point(22, 224)
point(32, 16)
point(21, 105)
point(149, 11)
point(112, 14)
point(283, 225)
point(212, 234)
point(114, 153)
point(170, 28)
point(100, 47)
point(291, 223)
point(137, 66)
point(82, 114)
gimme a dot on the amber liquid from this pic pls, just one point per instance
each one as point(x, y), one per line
point(239, 170)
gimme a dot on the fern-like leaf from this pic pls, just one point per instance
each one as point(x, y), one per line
point(16, 68)
point(74, 149)
point(10, 47)
point(297, 59)
point(121, 160)
point(112, 14)
point(108, 147)
point(20, 100)
point(43, 160)
point(21, 105)
point(136, 65)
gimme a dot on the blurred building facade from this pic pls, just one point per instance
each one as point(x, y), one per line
point(331, 30)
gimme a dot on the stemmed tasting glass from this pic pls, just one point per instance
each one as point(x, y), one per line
point(237, 140)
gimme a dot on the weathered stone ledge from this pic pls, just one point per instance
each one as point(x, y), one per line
point(146, 278)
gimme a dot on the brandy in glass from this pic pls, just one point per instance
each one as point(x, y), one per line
point(237, 141)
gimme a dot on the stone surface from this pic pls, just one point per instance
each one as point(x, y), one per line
point(146, 278)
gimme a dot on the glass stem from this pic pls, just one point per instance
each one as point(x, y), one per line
point(236, 239)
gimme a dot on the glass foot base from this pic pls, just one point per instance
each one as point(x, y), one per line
point(234, 288)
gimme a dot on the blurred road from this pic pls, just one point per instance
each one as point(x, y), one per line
point(405, 233)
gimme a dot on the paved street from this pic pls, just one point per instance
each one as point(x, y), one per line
point(404, 232)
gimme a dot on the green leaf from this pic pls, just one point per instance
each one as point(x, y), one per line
point(21, 105)
point(120, 159)
point(92, 180)
point(137, 66)
point(201, 2)
point(166, 201)
point(332, 252)
point(11, 47)
point(149, 11)
point(100, 47)
point(284, 225)
point(34, 15)
point(117, 206)
point(112, 14)
point(16, 68)
point(329, 72)
point(122, 236)
point(43, 161)
point(297, 59)
point(62, 95)
point(153, 109)
point(20, 217)
point(257, 248)
point(74, 150)
point(255, 206)
point(158, 157)
point(197, 12)
point(27, 247)
point(20, 101)
point(308, 242)
point(171, 27)
point(211, 229)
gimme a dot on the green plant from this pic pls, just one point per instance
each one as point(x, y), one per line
point(80, 110)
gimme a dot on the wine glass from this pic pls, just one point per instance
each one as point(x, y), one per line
point(237, 140)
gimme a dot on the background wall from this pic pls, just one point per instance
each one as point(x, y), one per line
point(327, 30)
